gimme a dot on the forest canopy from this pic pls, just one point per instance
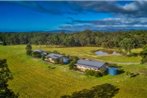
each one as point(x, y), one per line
point(133, 39)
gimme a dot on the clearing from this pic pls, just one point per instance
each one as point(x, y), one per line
point(33, 78)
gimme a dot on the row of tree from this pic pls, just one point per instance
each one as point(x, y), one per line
point(127, 40)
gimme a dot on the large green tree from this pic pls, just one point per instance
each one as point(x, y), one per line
point(5, 75)
point(127, 44)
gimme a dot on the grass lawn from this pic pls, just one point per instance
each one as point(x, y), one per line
point(120, 59)
point(33, 78)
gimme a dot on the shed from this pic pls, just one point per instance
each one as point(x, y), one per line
point(84, 64)
point(39, 53)
point(54, 58)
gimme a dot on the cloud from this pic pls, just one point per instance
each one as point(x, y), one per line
point(131, 15)
point(107, 24)
point(134, 8)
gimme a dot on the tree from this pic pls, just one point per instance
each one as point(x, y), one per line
point(83, 38)
point(144, 55)
point(127, 44)
point(29, 49)
point(72, 65)
point(5, 75)
point(73, 60)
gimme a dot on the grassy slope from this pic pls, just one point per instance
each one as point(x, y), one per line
point(33, 79)
point(86, 52)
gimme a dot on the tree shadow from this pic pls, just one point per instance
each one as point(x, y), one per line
point(100, 91)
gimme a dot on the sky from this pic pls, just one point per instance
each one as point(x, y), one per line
point(28, 16)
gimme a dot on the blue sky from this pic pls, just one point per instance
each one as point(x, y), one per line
point(23, 16)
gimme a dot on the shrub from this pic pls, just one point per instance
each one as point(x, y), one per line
point(50, 67)
point(55, 51)
point(73, 61)
point(93, 73)
point(129, 74)
point(43, 57)
point(133, 54)
point(72, 65)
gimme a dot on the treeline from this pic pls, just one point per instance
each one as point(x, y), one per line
point(84, 38)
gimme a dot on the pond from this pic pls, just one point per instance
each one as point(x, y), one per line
point(104, 53)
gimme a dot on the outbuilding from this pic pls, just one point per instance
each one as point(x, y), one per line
point(38, 53)
point(57, 58)
point(84, 64)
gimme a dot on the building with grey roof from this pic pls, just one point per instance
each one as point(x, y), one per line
point(55, 58)
point(54, 55)
point(41, 52)
point(84, 64)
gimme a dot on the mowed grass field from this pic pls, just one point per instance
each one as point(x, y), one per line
point(87, 52)
point(33, 78)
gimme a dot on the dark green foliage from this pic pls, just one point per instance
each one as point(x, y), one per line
point(130, 74)
point(125, 40)
point(43, 57)
point(144, 55)
point(5, 75)
point(29, 49)
point(73, 61)
point(4, 43)
point(134, 54)
point(36, 54)
point(127, 44)
point(72, 65)
point(99, 91)
point(73, 58)
point(93, 73)
point(56, 52)
point(51, 67)
point(120, 71)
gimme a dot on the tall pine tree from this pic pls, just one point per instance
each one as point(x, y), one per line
point(5, 75)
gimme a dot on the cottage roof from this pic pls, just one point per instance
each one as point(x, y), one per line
point(54, 55)
point(41, 52)
point(38, 51)
point(90, 63)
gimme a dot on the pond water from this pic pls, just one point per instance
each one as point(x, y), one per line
point(102, 53)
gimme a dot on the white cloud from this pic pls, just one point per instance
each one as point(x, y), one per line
point(130, 7)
